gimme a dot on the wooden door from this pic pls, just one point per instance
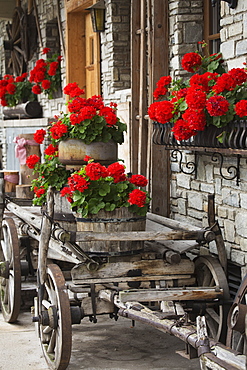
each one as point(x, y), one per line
point(92, 59)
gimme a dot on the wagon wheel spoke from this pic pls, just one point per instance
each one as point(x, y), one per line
point(55, 325)
point(10, 282)
point(209, 273)
point(236, 338)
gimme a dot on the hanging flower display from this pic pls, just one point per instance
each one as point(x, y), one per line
point(212, 96)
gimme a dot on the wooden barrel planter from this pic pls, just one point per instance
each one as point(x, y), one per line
point(71, 152)
point(11, 179)
point(121, 219)
point(63, 213)
point(26, 173)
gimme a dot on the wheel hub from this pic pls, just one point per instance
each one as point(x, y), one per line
point(237, 315)
point(50, 317)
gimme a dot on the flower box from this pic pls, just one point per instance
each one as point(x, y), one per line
point(235, 136)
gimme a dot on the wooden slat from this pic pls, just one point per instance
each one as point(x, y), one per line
point(148, 295)
point(160, 67)
point(86, 236)
point(135, 81)
point(149, 268)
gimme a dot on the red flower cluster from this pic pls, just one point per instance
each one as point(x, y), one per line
point(39, 136)
point(191, 62)
point(43, 75)
point(138, 180)
point(88, 119)
point(73, 90)
point(39, 191)
point(201, 100)
point(95, 171)
point(137, 197)
point(95, 187)
point(77, 182)
point(117, 171)
point(58, 129)
point(51, 150)
point(32, 160)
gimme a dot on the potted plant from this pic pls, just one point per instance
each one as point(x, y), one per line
point(18, 95)
point(89, 128)
point(108, 199)
point(50, 172)
point(212, 97)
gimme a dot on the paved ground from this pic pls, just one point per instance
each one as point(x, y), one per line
point(106, 345)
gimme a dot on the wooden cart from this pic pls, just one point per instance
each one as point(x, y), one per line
point(160, 285)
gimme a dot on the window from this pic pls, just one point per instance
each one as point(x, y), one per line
point(212, 26)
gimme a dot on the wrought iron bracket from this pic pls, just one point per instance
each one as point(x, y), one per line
point(233, 171)
point(231, 3)
point(189, 168)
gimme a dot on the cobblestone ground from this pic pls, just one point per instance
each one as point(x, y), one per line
point(106, 345)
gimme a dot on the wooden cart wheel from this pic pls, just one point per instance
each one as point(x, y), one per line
point(17, 43)
point(209, 273)
point(10, 272)
point(236, 338)
point(55, 327)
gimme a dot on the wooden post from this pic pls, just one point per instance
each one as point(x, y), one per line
point(214, 225)
point(45, 236)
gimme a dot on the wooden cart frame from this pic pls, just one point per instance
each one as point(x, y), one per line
point(157, 286)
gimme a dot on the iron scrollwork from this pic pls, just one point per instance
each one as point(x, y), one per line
point(177, 156)
point(233, 171)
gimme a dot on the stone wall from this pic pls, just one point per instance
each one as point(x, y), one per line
point(189, 193)
point(115, 51)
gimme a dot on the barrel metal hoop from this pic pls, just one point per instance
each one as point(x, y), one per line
point(106, 220)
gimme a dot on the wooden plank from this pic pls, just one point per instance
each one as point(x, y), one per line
point(181, 280)
point(187, 294)
point(170, 223)
point(75, 45)
point(135, 83)
point(134, 269)
point(160, 67)
point(143, 127)
point(85, 236)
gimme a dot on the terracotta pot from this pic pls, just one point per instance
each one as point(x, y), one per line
point(121, 219)
point(73, 151)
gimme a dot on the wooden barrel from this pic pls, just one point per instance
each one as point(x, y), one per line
point(26, 173)
point(11, 179)
point(71, 152)
point(63, 213)
point(120, 219)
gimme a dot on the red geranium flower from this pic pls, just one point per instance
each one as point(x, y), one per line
point(137, 197)
point(73, 90)
point(58, 130)
point(191, 62)
point(217, 105)
point(241, 108)
point(51, 150)
point(36, 89)
point(138, 180)
point(39, 136)
point(95, 171)
point(32, 160)
point(182, 131)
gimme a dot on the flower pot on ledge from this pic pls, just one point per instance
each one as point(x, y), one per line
point(235, 136)
point(71, 152)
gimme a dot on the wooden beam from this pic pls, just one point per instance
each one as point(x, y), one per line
point(160, 182)
point(188, 294)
